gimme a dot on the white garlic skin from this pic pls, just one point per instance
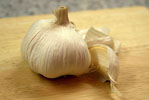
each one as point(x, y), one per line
point(53, 50)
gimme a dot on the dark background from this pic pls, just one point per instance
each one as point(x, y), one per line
point(12, 8)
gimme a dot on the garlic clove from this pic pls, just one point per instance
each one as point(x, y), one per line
point(105, 60)
point(103, 30)
point(94, 34)
point(99, 59)
point(94, 37)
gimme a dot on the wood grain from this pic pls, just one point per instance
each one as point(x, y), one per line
point(129, 25)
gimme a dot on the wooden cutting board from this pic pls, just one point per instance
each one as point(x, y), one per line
point(129, 25)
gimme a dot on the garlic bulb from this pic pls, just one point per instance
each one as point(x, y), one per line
point(54, 48)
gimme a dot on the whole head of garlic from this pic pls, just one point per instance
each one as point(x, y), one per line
point(54, 48)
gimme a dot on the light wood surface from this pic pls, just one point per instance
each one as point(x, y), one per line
point(129, 25)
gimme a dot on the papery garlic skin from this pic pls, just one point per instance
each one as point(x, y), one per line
point(94, 36)
point(55, 50)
